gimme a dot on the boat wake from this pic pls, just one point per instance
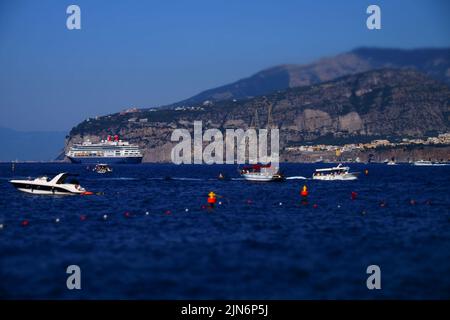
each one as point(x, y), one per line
point(297, 178)
point(115, 178)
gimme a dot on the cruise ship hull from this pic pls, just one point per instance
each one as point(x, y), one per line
point(107, 160)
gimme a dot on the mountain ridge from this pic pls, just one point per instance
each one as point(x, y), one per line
point(434, 62)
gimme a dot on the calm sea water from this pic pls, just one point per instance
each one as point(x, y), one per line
point(261, 242)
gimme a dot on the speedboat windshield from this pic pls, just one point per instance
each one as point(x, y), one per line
point(64, 177)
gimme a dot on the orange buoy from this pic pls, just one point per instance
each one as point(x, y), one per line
point(304, 191)
point(366, 172)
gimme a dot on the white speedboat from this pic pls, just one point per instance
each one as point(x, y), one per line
point(263, 173)
point(102, 168)
point(391, 163)
point(55, 186)
point(428, 163)
point(335, 173)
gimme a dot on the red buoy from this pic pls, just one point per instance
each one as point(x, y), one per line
point(315, 205)
point(353, 195)
point(211, 199)
point(304, 191)
point(25, 223)
point(82, 217)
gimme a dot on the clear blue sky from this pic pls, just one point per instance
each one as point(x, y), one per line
point(149, 53)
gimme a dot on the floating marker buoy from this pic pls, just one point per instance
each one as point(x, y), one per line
point(353, 195)
point(304, 191)
point(57, 220)
point(146, 213)
point(127, 214)
point(212, 198)
point(280, 204)
point(366, 172)
point(220, 203)
point(382, 204)
point(83, 217)
point(168, 212)
point(186, 210)
point(1, 225)
point(105, 216)
point(315, 205)
point(25, 223)
point(338, 205)
point(412, 202)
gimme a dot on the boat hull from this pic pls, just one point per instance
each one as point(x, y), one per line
point(43, 190)
point(261, 177)
point(344, 177)
point(106, 160)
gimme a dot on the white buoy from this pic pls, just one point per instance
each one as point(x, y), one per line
point(281, 203)
point(1, 225)
point(105, 216)
point(57, 220)
point(338, 205)
point(220, 203)
point(146, 213)
point(186, 210)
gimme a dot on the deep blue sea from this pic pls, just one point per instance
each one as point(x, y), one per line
point(261, 242)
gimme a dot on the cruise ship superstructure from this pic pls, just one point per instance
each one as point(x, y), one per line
point(107, 151)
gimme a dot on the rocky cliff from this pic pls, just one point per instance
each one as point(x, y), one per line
point(392, 103)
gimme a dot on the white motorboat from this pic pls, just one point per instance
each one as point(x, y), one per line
point(428, 163)
point(102, 168)
point(391, 163)
point(335, 173)
point(263, 173)
point(55, 186)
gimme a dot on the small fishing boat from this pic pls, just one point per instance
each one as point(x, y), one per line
point(391, 162)
point(335, 173)
point(44, 186)
point(263, 173)
point(102, 168)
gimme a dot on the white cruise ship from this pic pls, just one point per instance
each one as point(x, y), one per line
point(107, 151)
